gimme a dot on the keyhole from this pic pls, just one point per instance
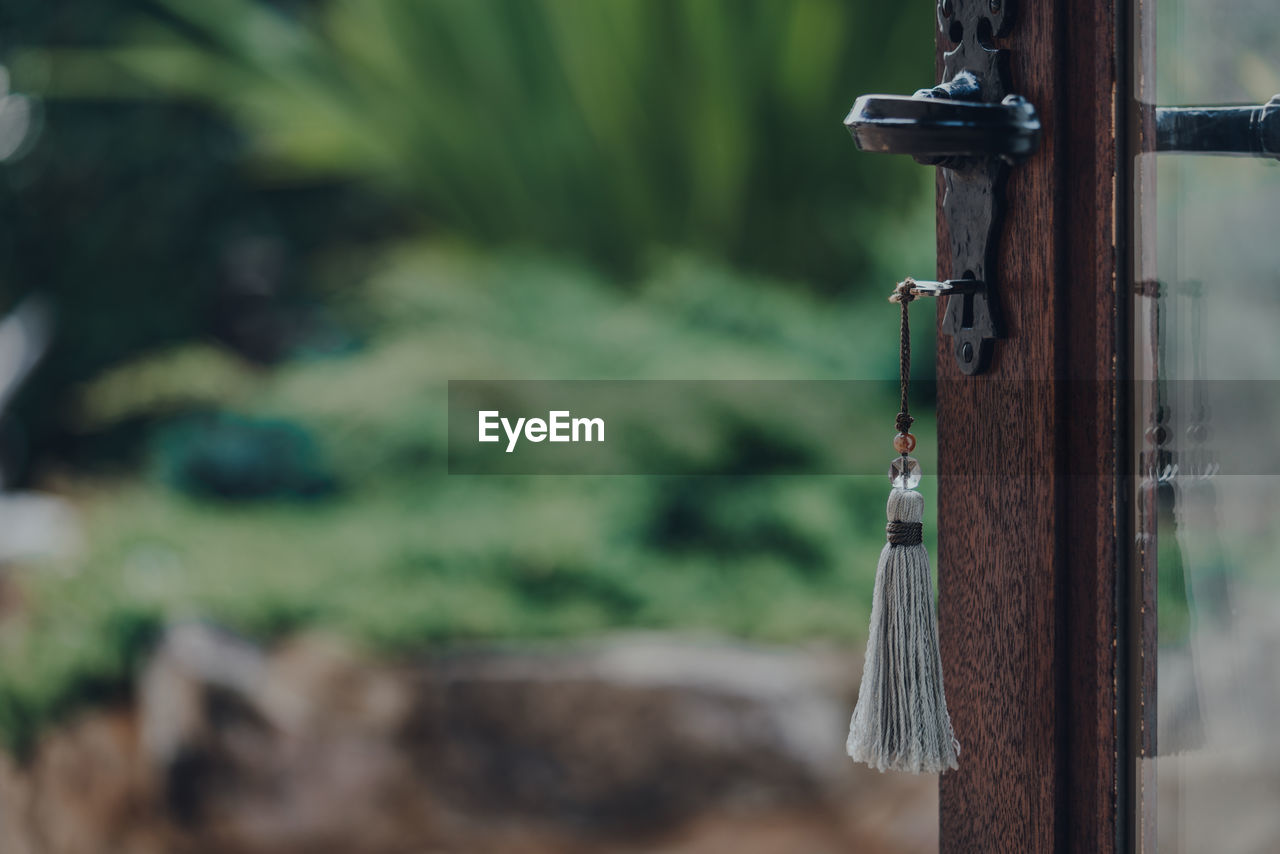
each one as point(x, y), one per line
point(966, 311)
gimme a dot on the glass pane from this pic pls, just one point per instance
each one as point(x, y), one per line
point(1206, 316)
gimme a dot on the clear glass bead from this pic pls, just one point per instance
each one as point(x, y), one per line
point(904, 472)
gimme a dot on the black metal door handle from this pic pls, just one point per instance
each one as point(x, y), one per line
point(936, 130)
point(1252, 131)
point(973, 129)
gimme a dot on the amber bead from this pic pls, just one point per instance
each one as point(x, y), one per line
point(904, 443)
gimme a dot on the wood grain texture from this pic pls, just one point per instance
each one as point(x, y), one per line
point(1096, 428)
point(1029, 505)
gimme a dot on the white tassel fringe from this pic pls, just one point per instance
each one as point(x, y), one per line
point(901, 721)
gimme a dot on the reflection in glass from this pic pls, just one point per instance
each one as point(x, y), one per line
point(1206, 315)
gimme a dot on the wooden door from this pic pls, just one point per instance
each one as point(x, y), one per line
point(1032, 519)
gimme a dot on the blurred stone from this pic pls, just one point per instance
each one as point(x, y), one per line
point(36, 525)
point(88, 789)
point(634, 743)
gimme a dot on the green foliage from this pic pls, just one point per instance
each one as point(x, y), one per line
point(76, 649)
point(604, 128)
point(222, 455)
point(406, 555)
point(137, 221)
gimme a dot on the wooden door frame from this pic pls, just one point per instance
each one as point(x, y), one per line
point(1033, 508)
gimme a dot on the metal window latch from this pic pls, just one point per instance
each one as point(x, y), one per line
point(1252, 131)
point(949, 288)
point(973, 129)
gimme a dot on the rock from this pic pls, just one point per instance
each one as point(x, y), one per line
point(628, 734)
point(35, 525)
point(89, 789)
point(628, 744)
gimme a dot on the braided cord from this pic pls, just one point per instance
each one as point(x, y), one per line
point(902, 296)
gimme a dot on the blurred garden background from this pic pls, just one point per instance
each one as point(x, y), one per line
point(262, 236)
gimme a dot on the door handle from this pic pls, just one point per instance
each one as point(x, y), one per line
point(939, 131)
point(1250, 131)
point(973, 129)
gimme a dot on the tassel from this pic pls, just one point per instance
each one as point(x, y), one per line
point(901, 721)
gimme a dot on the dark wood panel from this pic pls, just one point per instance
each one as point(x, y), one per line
point(1094, 423)
point(1029, 523)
